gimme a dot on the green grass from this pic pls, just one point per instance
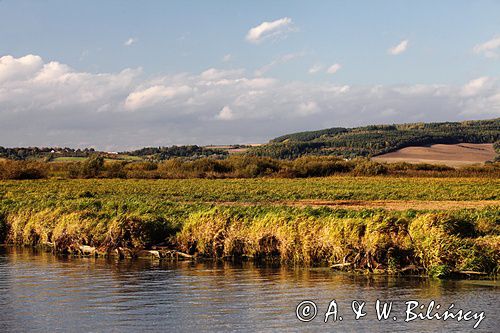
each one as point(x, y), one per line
point(153, 193)
point(111, 213)
point(126, 158)
point(68, 159)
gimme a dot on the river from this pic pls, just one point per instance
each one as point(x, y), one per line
point(43, 293)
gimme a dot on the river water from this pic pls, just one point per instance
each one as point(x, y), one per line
point(43, 293)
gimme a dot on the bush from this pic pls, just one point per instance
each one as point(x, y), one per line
point(23, 170)
point(432, 167)
point(115, 170)
point(369, 168)
point(141, 166)
point(310, 166)
point(249, 167)
point(90, 168)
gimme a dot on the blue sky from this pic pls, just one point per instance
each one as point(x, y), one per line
point(121, 74)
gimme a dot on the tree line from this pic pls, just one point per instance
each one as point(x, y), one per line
point(378, 139)
point(232, 167)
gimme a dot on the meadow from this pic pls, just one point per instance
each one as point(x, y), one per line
point(309, 221)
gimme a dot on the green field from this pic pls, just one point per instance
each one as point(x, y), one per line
point(256, 218)
point(68, 159)
point(155, 192)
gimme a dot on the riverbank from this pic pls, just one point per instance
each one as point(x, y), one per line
point(255, 220)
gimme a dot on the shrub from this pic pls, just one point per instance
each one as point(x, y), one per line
point(23, 170)
point(432, 167)
point(90, 168)
point(310, 166)
point(249, 167)
point(369, 168)
point(115, 170)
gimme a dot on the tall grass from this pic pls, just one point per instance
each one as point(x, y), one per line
point(375, 240)
point(441, 243)
point(246, 218)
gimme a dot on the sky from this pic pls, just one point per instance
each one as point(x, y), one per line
point(118, 75)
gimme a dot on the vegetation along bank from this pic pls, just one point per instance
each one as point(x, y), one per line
point(315, 221)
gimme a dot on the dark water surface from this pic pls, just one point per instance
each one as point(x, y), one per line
point(43, 293)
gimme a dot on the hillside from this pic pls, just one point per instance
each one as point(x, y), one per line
point(367, 141)
point(375, 140)
point(454, 155)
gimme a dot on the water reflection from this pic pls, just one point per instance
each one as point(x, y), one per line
point(40, 292)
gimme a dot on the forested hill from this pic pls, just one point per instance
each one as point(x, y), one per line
point(379, 139)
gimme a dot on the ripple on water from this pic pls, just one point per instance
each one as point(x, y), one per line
point(39, 292)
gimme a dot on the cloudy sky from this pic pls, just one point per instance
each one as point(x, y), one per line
point(117, 75)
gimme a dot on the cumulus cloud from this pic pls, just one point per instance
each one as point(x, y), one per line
point(489, 49)
point(475, 86)
point(130, 41)
point(155, 95)
point(31, 84)
point(19, 68)
point(400, 48)
point(225, 114)
point(227, 57)
point(333, 68)
point(47, 103)
point(267, 30)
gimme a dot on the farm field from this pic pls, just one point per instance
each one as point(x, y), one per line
point(454, 155)
point(315, 221)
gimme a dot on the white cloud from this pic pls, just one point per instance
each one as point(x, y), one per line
point(400, 48)
point(315, 69)
point(278, 61)
point(52, 72)
point(19, 68)
point(50, 103)
point(475, 86)
point(333, 68)
point(30, 84)
point(130, 41)
point(489, 49)
point(154, 95)
point(260, 82)
point(267, 30)
point(308, 108)
point(225, 114)
point(217, 74)
point(227, 57)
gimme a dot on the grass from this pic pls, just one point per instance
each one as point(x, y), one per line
point(189, 215)
point(68, 159)
point(53, 192)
